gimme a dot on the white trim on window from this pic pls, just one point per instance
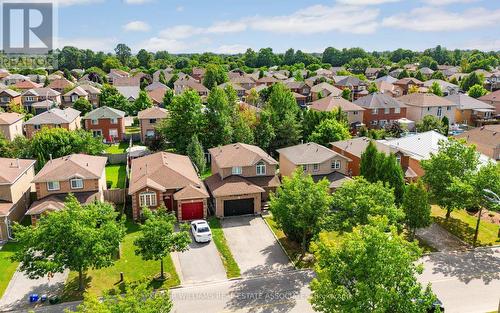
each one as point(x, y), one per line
point(260, 168)
point(315, 167)
point(336, 165)
point(236, 170)
point(147, 199)
point(397, 110)
point(53, 185)
point(76, 183)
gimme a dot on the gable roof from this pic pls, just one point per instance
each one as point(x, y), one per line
point(157, 94)
point(9, 118)
point(350, 81)
point(153, 112)
point(331, 102)
point(129, 91)
point(408, 81)
point(309, 153)
point(356, 146)
point(492, 96)
point(12, 169)
point(485, 138)
point(442, 83)
point(156, 85)
point(90, 89)
point(466, 102)
point(379, 100)
point(44, 91)
point(26, 84)
point(10, 93)
point(231, 186)
point(54, 116)
point(191, 83)
point(239, 154)
point(425, 100)
point(104, 112)
point(326, 86)
point(387, 78)
point(78, 90)
point(74, 165)
point(60, 83)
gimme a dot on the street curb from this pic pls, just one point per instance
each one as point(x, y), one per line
point(279, 243)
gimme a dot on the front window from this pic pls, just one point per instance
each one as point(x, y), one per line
point(315, 167)
point(95, 122)
point(236, 170)
point(147, 199)
point(375, 111)
point(53, 185)
point(261, 168)
point(387, 111)
point(30, 98)
point(398, 158)
point(354, 112)
point(113, 133)
point(5, 99)
point(74, 98)
point(96, 133)
point(304, 167)
point(150, 133)
point(114, 121)
point(76, 183)
point(152, 121)
point(448, 108)
point(397, 110)
point(37, 127)
point(335, 165)
point(440, 111)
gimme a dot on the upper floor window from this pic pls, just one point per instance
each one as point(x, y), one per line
point(5, 99)
point(397, 110)
point(440, 111)
point(152, 121)
point(76, 183)
point(448, 108)
point(29, 98)
point(95, 121)
point(236, 170)
point(374, 111)
point(304, 167)
point(114, 121)
point(336, 165)
point(37, 126)
point(261, 168)
point(74, 98)
point(147, 199)
point(398, 158)
point(387, 111)
point(355, 112)
point(315, 167)
point(53, 185)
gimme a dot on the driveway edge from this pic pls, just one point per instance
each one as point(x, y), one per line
point(279, 243)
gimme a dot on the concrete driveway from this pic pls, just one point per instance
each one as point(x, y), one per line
point(201, 263)
point(253, 246)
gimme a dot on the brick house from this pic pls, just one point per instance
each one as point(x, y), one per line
point(106, 122)
point(325, 90)
point(242, 177)
point(11, 125)
point(60, 84)
point(381, 109)
point(357, 86)
point(189, 83)
point(167, 179)
point(15, 188)
point(492, 98)
point(403, 85)
point(317, 161)
point(26, 85)
point(148, 119)
point(8, 96)
point(80, 174)
point(68, 118)
point(485, 138)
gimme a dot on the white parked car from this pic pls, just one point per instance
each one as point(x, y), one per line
point(201, 231)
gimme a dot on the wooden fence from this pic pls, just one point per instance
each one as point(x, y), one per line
point(116, 196)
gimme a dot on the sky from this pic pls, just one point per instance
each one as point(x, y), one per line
point(232, 26)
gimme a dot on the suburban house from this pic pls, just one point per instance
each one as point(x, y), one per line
point(354, 112)
point(115, 74)
point(471, 111)
point(12, 79)
point(60, 84)
point(492, 98)
point(15, 188)
point(299, 87)
point(356, 85)
point(106, 122)
point(244, 81)
point(446, 87)
point(240, 91)
point(183, 84)
point(93, 94)
point(8, 96)
point(198, 73)
point(242, 177)
point(68, 118)
point(74, 94)
point(422, 104)
point(32, 96)
point(486, 139)
point(267, 81)
point(323, 90)
point(148, 119)
point(372, 72)
point(156, 94)
point(403, 85)
point(24, 85)
point(354, 148)
point(169, 179)
point(381, 109)
point(11, 125)
point(80, 174)
point(317, 161)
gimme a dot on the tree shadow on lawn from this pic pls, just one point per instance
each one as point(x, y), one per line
point(458, 228)
point(70, 291)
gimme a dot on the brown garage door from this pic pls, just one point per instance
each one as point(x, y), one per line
point(192, 211)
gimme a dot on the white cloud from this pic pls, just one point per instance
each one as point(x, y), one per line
point(136, 26)
point(136, 1)
point(482, 44)
point(179, 8)
point(428, 19)
point(66, 3)
point(446, 2)
point(104, 44)
point(231, 49)
point(226, 27)
point(366, 2)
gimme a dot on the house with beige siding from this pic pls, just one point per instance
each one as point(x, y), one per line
point(11, 125)
point(353, 111)
point(242, 177)
point(317, 161)
point(82, 175)
point(148, 119)
point(15, 189)
point(170, 180)
point(68, 118)
point(420, 105)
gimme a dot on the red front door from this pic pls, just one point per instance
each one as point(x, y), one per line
point(192, 211)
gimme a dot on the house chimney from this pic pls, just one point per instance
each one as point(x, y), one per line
point(50, 156)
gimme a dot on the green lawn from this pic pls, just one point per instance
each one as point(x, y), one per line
point(117, 148)
point(6, 265)
point(133, 267)
point(132, 130)
point(462, 225)
point(232, 268)
point(116, 176)
point(206, 173)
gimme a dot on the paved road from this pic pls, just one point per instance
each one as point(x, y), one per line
point(201, 263)
point(466, 282)
point(442, 240)
point(253, 246)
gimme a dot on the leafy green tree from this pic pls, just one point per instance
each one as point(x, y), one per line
point(110, 97)
point(471, 80)
point(172, 80)
point(242, 129)
point(196, 154)
point(168, 97)
point(145, 59)
point(300, 205)
point(218, 116)
point(110, 63)
point(141, 103)
point(330, 130)
point(355, 201)
point(392, 174)
point(347, 94)
point(158, 237)
point(403, 74)
point(137, 298)
point(420, 76)
point(416, 207)
point(370, 163)
point(430, 122)
point(372, 88)
point(185, 120)
point(438, 75)
point(83, 105)
point(123, 53)
point(214, 76)
point(371, 270)
point(446, 125)
point(477, 91)
point(436, 89)
point(78, 237)
point(264, 131)
point(449, 172)
point(162, 79)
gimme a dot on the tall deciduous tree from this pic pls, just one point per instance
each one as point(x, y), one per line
point(416, 207)
point(83, 105)
point(330, 130)
point(371, 270)
point(141, 103)
point(78, 237)
point(477, 91)
point(158, 237)
point(123, 53)
point(214, 76)
point(471, 80)
point(196, 154)
point(436, 89)
point(264, 131)
point(218, 115)
point(110, 97)
point(430, 122)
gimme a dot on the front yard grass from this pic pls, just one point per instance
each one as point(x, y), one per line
point(6, 265)
point(116, 176)
point(232, 268)
point(129, 130)
point(134, 269)
point(463, 225)
point(117, 148)
point(206, 173)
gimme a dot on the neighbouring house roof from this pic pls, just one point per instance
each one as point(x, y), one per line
point(54, 116)
point(331, 102)
point(357, 146)
point(309, 153)
point(249, 106)
point(466, 102)
point(387, 78)
point(242, 79)
point(153, 112)
point(60, 83)
point(156, 85)
point(74, 165)
point(336, 179)
point(16, 77)
point(493, 96)
point(231, 186)
point(56, 202)
point(157, 94)
point(191, 192)
point(133, 81)
point(372, 70)
point(267, 79)
point(10, 118)
point(350, 81)
point(334, 91)
point(163, 171)
point(104, 112)
point(425, 100)
point(78, 90)
point(10, 93)
point(119, 72)
point(379, 100)
point(129, 92)
point(11, 169)
point(295, 84)
point(443, 84)
point(192, 84)
point(90, 89)
point(426, 71)
point(235, 86)
point(239, 154)
point(48, 104)
point(26, 84)
point(44, 91)
point(408, 81)
point(485, 138)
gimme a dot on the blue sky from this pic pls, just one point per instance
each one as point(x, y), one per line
point(232, 26)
